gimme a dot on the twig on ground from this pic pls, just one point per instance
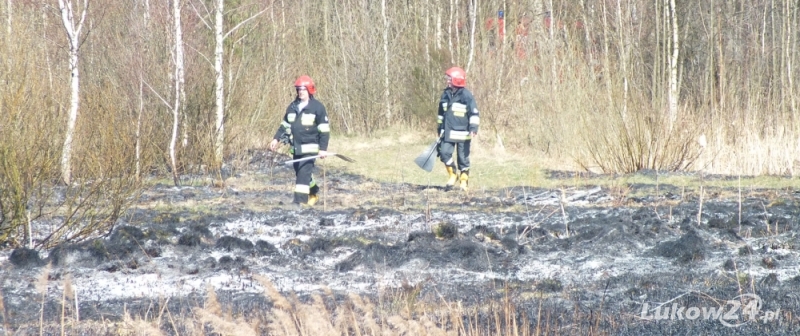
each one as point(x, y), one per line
point(700, 210)
point(564, 214)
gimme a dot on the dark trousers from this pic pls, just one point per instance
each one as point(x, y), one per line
point(446, 150)
point(304, 183)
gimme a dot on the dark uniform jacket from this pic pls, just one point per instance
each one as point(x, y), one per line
point(458, 115)
point(308, 130)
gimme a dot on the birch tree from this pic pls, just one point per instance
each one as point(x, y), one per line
point(673, 67)
point(140, 112)
point(386, 63)
point(624, 54)
point(473, 13)
point(9, 16)
point(450, 33)
point(219, 92)
point(73, 31)
point(180, 96)
point(219, 84)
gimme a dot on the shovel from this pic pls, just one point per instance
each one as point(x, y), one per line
point(319, 156)
point(426, 159)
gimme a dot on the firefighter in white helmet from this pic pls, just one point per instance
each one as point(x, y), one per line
point(458, 122)
point(306, 127)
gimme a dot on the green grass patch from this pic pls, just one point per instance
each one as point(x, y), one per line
point(389, 157)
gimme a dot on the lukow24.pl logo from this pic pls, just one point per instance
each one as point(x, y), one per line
point(741, 310)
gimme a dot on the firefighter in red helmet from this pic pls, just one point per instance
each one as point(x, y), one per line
point(458, 122)
point(305, 127)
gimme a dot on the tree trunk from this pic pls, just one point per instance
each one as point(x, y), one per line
point(73, 31)
point(220, 85)
point(623, 58)
point(656, 80)
point(386, 63)
point(177, 106)
point(606, 60)
point(426, 13)
point(138, 144)
point(457, 47)
point(673, 68)
point(146, 13)
point(438, 26)
point(789, 54)
point(450, 33)
point(46, 52)
point(9, 16)
point(473, 13)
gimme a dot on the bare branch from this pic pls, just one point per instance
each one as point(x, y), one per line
point(157, 95)
point(83, 17)
point(199, 16)
point(242, 23)
point(201, 54)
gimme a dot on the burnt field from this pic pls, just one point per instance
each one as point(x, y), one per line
point(631, 259)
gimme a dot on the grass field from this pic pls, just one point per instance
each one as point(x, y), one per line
point(389, 157)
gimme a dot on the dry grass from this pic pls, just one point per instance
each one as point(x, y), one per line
point(388, 157)
point(324, 314)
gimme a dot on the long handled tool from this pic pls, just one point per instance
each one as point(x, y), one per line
point(319, 156)
point(324, 185)
point(426, 159)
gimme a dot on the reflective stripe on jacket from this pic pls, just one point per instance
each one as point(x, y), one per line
point(308, 130)
point(458, 115)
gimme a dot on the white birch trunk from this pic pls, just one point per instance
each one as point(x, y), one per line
point(386, 63)
point(623, 53)
point(473, 13)
point(789, 50)
point(426, 13)
point(73, 31)
point(499, 83)
point(505, 10)
point(457, 47)
point(438, 27)
point(587, 33)
point(46, 52)
point(9, 16)
point(220, 83)
point(606, 60)
point(673, 68)
point(138, 145)
point(450, 33)
point(146, 13)
point(177, 106)
point(551, 31)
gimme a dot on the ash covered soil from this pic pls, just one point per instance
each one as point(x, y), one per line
point(634, 255)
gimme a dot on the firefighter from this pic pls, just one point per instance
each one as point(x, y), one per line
point(458, 123)
point(306, 127)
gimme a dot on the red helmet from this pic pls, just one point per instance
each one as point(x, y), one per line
point(458, 76)
point(306, 82)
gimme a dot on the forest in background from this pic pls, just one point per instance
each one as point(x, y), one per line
point(97, 94)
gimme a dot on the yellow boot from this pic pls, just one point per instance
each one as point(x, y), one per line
point(312, 199)
point(453, 177)
point(464, 180)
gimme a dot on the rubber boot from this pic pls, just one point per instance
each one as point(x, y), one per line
point(464, 180)
point(453, 177)
point(312, 199)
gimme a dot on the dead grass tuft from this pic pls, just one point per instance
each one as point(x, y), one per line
point(277, 298)
point(222, 326)
point(212, 304)
point(137, 326)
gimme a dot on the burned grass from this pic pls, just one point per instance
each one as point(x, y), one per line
point(400, 258)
